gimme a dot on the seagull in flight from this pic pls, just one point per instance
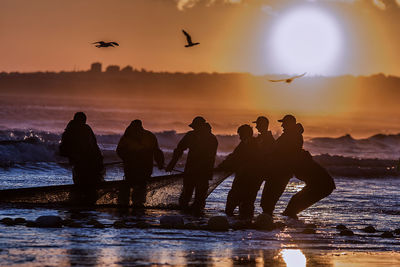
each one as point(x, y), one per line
point(189, 40)
point(289, 80)
point(100, 44)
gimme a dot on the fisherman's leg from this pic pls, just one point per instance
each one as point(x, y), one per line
point(308, 196)
point(246, 206)
point(89, 194)
point(139, 190)
point(139, 193)
point(300, 201)
point(85, 192)
point(273, 189)
point(233, 199)
point(80, 174)
point(246, 209)
point(318, 186)
point(200, 196)
point(124, 193)
point(91, 185)
point(187, 192)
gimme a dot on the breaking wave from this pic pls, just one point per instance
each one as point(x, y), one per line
point(345, 156)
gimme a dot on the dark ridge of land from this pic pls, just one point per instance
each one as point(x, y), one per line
point(365, 91)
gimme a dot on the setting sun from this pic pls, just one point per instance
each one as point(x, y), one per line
point(305, 39)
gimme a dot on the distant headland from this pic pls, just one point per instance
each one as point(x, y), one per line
point(233, 89)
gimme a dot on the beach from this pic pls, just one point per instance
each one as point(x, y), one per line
point(356, 203)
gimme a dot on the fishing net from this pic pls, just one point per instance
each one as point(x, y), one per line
point(162, 192)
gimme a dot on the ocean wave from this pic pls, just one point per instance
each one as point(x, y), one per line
point(344, 156)
point(380, 146)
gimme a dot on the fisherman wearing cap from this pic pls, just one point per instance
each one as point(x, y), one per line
point(138, 148)
point(264, 139)
point(291, 159)
point(287, 148)
point(265, 146)
point(202, 146)
point(79, 144)
point(319, 183)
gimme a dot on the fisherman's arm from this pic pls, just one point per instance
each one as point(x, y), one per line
point(122, 148)
point(215, 151)
point(64, 146)
point(230, 162)
point(182, 146)
point(158, 154)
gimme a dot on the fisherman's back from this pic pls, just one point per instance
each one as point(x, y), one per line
point(137, 148)
point(138, 152)
point(243, 159)
point(265, 142)
point(78, 143)
point(202, 150)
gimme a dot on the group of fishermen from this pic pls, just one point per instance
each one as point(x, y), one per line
point(253, 161)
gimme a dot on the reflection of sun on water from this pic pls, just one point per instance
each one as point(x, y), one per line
point(293, 258)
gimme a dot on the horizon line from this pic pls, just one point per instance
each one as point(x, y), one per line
point(144, 70)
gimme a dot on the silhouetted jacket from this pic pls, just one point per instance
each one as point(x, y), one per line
point(243, 160)
point(138, 150)
point(202, 147)
point(79, 144)
point(266, 143)
point(288, 146)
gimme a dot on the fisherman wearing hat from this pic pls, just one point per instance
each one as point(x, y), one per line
point(264, 138)
point(291, 159)
point(287, 148)
point(202, 146)
point(265, 146)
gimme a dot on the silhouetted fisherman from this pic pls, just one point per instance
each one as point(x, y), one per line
point(265, 140)
point(138, 148)
point(79, 144)
point(291, 160)
point(243, 162)
point(319, 183)
point(202, 145)
point(281, 167)
point(266, 145)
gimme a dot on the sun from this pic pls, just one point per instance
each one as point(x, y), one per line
point(305, 39)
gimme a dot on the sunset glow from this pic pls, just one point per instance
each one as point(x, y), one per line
point(305, 39)
point(200, 133)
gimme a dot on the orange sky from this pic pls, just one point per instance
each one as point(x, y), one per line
point(56, 34)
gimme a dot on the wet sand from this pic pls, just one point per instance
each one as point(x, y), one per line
point(290, 257)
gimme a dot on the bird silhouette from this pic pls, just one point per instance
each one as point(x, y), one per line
point(100, 44)
point(189, 40)
point(289, 80)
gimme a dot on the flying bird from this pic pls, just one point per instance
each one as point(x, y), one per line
point(289, 80)
point(189, 40)
point(100, 44)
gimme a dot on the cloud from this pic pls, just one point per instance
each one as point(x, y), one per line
point(379, 4)
point(264, 4)
point(269, 10)
point(184, 4)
